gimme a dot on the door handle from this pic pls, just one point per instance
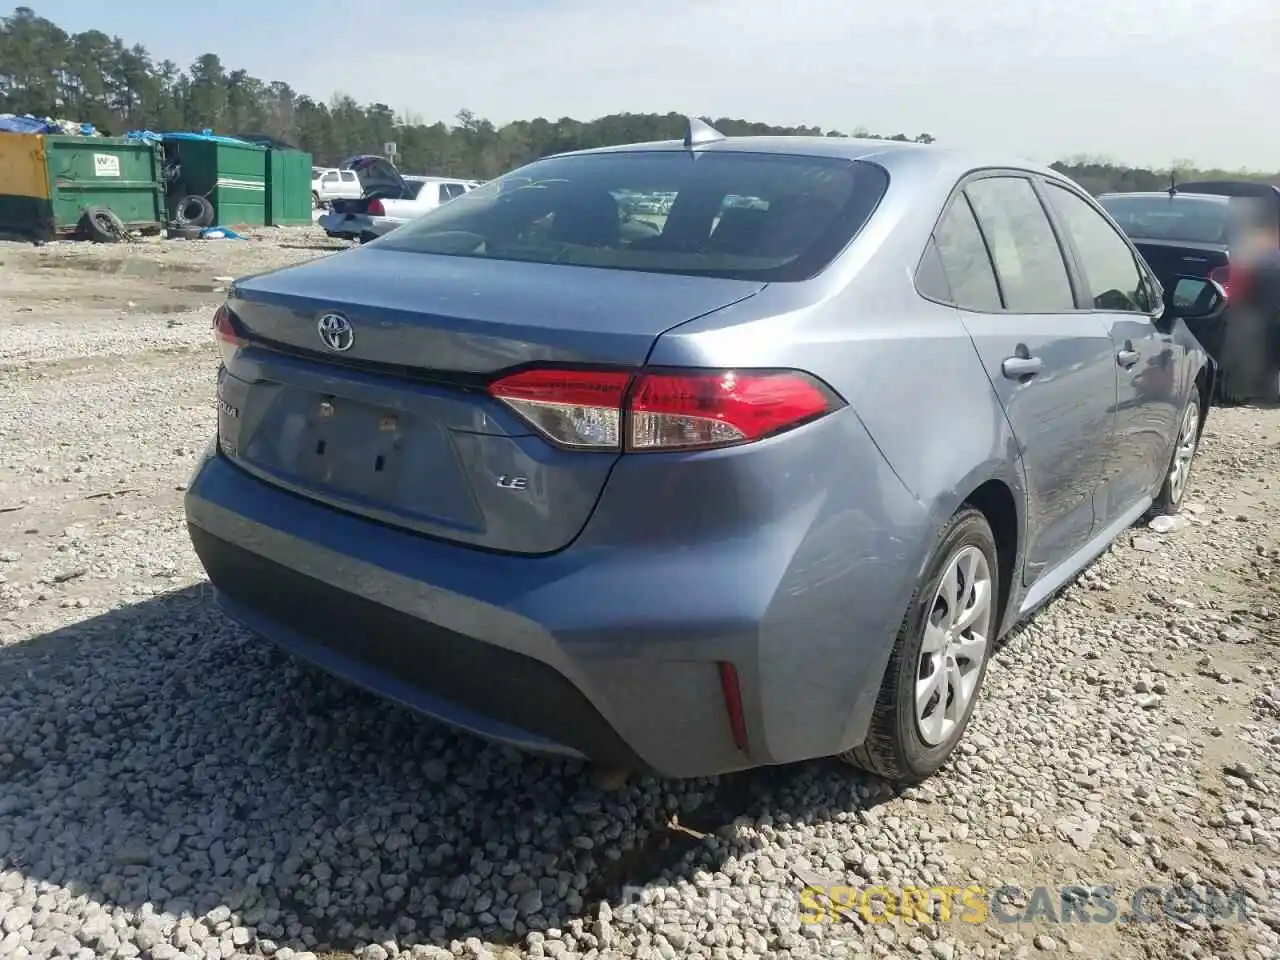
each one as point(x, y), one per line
point(1128, 356)
point(1018, 368)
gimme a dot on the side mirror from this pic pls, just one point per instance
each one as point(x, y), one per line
point(1197, 298)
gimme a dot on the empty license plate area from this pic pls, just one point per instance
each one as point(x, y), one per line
point(348, 447)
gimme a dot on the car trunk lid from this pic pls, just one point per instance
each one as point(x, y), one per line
point(1170, 259)
point(396, 424)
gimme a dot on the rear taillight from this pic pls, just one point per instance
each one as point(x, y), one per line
point(376, 209)
point(225, 332)
point(670, 410)
point(712, 409)
point(575, 408)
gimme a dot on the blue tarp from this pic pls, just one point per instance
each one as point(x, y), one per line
point(23, 125)
point(150, 136)
point(29, 124)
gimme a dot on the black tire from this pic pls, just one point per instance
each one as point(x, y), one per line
point(315, 200)
point(1170, 498)
point(193, 210)
point(894, 748)
point(102, 225)
point(184, 233)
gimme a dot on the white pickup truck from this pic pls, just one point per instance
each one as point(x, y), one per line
point(370, 217)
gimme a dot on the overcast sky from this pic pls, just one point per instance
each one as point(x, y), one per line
point(1139, 82)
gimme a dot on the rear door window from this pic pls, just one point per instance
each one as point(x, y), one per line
point(1033, 275)
point(765, 217)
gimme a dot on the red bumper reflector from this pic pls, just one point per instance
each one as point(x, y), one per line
point(733, 704)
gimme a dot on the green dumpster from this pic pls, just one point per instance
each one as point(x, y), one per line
point(233, 176)
point(47, 183)
point(288, 187)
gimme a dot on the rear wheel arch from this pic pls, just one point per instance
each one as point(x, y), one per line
point(999, 496)
point(1204, 386)
point(894, 745)
point(995, 500)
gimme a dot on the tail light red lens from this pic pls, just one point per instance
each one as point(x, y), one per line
point(376, 209)
point(712, 409)
point(574, 408)
point(225, 332)
point(224, 327)
point(694, 409)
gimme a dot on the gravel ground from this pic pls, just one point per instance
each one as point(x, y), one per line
point(171, 787)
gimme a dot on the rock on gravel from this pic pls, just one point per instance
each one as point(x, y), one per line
point(171, 787)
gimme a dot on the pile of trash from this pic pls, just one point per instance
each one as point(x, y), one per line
point(26, 123)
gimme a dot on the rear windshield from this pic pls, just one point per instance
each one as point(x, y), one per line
point(1187, 219)
point(718, 214)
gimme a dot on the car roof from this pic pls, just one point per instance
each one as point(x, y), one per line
point(890, 154)
point(414, 176)
point(1166, 195)
point(1239, 188)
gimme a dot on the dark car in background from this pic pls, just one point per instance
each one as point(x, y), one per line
point(1181, 234)
point(1267, 195)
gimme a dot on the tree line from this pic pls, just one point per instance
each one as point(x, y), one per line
point(99, 79)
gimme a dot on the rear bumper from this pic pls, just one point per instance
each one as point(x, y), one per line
point(427, 667)
point(601, 651)
point(355, 225)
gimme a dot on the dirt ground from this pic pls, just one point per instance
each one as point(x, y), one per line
point(1129, 735)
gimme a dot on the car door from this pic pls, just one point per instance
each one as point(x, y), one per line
point(1149, 386)
point(1051, 365)
point(350, 185)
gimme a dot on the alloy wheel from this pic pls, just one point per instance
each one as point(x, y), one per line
point(1184, 453)
point(957, 633)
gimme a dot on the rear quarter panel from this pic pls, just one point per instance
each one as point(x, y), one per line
point(916, 387)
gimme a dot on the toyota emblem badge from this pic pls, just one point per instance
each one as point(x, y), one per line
point(335, 332)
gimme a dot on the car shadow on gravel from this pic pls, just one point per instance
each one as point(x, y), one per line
point(158, 754)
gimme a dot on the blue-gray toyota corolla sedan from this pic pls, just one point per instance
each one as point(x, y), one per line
point(695, 456)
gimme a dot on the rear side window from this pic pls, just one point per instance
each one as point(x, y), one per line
point(1108, 264)
point(1176, 218)
point(965, 260)
point(1033, 275)
point(726, 214)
